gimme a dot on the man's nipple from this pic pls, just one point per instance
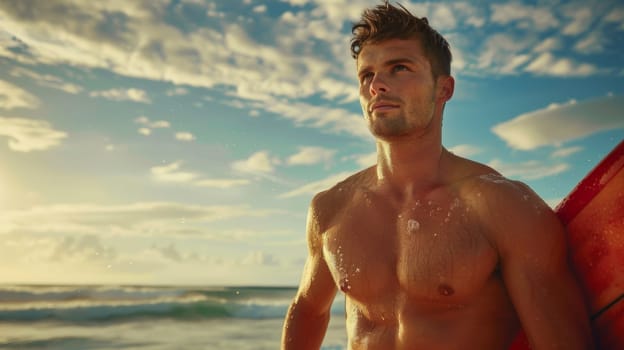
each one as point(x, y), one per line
point(446, 290)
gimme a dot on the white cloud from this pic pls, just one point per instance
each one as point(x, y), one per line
point(548, 64)
point(616, 16)
point(222, 183)
point(82, 249)
point(171, 173)
point(316, 186)
point(132, 94)
point(135, 219)
point(566, 152)
point(524, 16)
point(503, 53)
point(258, 163)
point(581, 20)
point(548, 45)
point(592, 43)
point(184, 136)
point(366, 160)
point(47, 80)
point(143, 120)
point(558, 124)
point(26, 135)
point(177, 91)
point(12, 96)
point(311, 155)
point(260, 9)
point(259, 258)
point(529, 170)
point(466, 150)
point(145, 131)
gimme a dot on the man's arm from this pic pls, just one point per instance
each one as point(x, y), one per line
point(308, 316)
point(533, 253)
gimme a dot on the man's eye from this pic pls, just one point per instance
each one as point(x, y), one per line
point(399, 67)
point(366, 77)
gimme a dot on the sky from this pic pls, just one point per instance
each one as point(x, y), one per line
point(179, 142)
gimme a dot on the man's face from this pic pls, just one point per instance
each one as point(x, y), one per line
point(398, 92)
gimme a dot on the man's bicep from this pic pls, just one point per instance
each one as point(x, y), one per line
point(317, 287)
point(539, 280)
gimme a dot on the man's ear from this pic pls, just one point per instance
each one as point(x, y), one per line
point(446, 87)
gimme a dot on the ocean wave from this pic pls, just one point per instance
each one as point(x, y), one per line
point(117, 304)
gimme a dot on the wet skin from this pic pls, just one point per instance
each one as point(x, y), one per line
point(418, 273)
point(432, 251)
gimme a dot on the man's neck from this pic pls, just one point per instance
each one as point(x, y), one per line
point(411, 167)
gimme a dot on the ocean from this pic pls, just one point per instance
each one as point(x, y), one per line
point(150, 318)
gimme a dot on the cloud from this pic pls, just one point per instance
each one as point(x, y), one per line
point(172, 173)
point(529, 170)
point(135, 219)
point(258, 163)
point(259, 258)
point(132, 94)
point(149, 125)
point(184, 136)
point(592, 43)
point(548, 64)
point(582, 18)
point(558, 124)
point(566, 152)
point(260, 9)
point(47, 80)
point(317, 186)
point(12, 96)
point(177, 91)
point(524, 16)
point(366, 160)
point(222, 183)
point(616, 16)
point(145, 131)
point(466, 150)
point(170, 252)
point(26, 135)
point(82, 249)
point(311, 155)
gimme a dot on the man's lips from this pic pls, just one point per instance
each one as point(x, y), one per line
point(382, 106)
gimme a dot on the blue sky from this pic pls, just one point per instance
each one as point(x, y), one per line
point(180, 142)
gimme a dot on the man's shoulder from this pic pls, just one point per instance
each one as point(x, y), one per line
point(345, 188)
point(334, 199)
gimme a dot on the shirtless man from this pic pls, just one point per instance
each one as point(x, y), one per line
point(432, 251)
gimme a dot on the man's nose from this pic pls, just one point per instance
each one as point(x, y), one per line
point(378, 85)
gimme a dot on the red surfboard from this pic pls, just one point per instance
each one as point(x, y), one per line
point(593, 214)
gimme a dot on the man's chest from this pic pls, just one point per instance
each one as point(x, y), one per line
point(428, 250)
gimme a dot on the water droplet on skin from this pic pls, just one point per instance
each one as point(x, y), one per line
point(455, 203)
point(413, 225)
point(344, 285)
